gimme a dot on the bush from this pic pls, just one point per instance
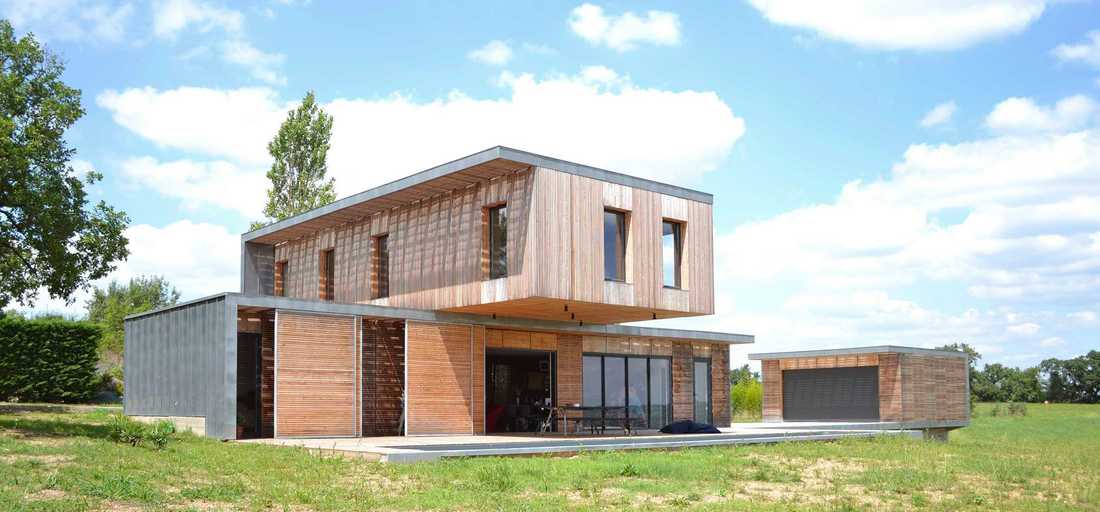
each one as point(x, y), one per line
point(127, 431)
point(159, 434)
point(746, 397)
point(1017, 409)
point(48, 360)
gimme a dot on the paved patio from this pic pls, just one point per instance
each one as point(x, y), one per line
point(428, 448)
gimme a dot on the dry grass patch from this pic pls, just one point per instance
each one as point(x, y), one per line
point(47, 495)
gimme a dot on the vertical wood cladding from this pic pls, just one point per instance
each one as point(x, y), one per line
point(383, 380)
point(267, 376)
point(682, 391)
point(569, 369)
point(316, 385)
point(772, 378)
point(440, 378)
point(912, 387)
point(554, 245)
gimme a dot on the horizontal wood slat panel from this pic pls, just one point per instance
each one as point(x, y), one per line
point(316, 365)
point(440, 375)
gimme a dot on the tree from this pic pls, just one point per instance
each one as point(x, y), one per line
point(300, 149)
point(109, 307)
point(743, 373)
point(1073, 380)
point(49, 238)
point(972, 357)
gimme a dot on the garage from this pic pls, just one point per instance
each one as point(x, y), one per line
point(831, 394)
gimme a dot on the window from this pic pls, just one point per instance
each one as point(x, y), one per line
point(637, 386)
point(614, 245)
point(380, 267)
point(701, 391)
point(280, 279)
point(498, 241)
point(328, 268)
point(671, 252)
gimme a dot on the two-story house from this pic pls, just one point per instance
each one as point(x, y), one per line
point(472, 297)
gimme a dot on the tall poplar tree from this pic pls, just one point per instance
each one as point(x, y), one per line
point(298, 176)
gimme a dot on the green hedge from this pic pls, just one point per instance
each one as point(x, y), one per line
point(48, 360)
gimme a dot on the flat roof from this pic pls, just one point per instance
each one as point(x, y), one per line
point(453, 175)
point(877, 349)
point(369, 310)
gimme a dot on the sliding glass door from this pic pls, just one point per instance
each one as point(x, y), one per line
point(641, 385)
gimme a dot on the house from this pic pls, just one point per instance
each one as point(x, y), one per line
point(464, 299)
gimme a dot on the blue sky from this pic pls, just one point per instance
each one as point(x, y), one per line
point(913, 174)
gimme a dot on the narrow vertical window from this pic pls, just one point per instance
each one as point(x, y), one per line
point(498, 241)
point(701, 390)
point(380, 266)
point(614, 245)
point(328, 272)
point(671, 252)
point(280, 279)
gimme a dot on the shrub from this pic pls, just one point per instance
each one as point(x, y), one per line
point(995, 411)
point(48, 360)
point(746, 397)
point(125, 430)
point(1017, 409)
point(159, 434)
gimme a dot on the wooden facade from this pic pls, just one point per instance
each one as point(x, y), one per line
point(912, 387)
point(554, 253)
point(316, 375)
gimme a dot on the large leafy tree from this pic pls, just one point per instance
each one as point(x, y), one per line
point(108, 307)
point(298, 176)
point(49, 236)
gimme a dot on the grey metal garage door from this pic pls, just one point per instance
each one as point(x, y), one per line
point(831, 394)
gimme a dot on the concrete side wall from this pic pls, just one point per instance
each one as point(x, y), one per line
point(182, 362)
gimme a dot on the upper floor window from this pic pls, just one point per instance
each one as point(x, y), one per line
point(280, 278)
point(498, 241)
point(671, 252)
point(380, 267)
point(614, 245)
point(328, 273)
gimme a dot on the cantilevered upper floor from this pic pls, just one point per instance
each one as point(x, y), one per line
point(500, 232)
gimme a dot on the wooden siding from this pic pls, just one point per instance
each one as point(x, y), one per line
point(383, 380)
point(720, 385)
point(316, 389)
point(772, 378)
point(441, 378)
point(889, 388)
point(555, 252)
point(682, 392)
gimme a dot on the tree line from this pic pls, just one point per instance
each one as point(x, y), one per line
point(1075, 380)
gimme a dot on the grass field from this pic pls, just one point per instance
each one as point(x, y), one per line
point(1047, 460)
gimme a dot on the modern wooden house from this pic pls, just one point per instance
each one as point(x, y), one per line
point(469, 298)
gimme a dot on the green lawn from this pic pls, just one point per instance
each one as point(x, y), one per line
point(1048, 460)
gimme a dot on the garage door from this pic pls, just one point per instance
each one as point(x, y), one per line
point(831, 394)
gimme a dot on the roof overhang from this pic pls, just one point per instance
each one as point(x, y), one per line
point(455, 175)
point(265, 302)
point(878, 349)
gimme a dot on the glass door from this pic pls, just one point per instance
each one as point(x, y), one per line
point(701, 392)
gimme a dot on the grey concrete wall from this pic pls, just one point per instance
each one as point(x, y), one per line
point(182, 362)
point(257, 269)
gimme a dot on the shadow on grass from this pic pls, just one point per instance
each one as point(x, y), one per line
point(54, 428)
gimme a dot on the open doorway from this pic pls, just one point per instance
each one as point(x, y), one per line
point(248, 385)
point(520, 389)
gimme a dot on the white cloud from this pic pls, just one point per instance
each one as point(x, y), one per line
point(199, 259)
point(625, 31)
point(261, 65)
point(1087, 52)
point(235, 124)
point(673, 136)
point(539, 49)
point(1024, 115)
point(1083, 316)
point(906, 24)
point(170, 17)
point(201, 184)
point(939, 114)
point(70, 19)
point(494, 53)
point(1053, 341)
point(1025, 329)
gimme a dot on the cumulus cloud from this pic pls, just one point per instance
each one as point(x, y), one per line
point(261, 65)
point(1010, 223)
point(668, 135)
point(625, 31)
point(905, 25)
point(494, 53)
point(199, 185)
point(101, 21)
point(170, 17)
point(939, 114)
point(1024, 115)
point(1087, 52)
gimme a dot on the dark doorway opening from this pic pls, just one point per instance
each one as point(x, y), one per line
point(519, 388)
point(248, 385)
point(831, 394)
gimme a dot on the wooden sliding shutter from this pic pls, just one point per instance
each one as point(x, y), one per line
point(445, 367)
point(316, 375)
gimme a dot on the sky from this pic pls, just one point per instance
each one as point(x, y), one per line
point(921, 173)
